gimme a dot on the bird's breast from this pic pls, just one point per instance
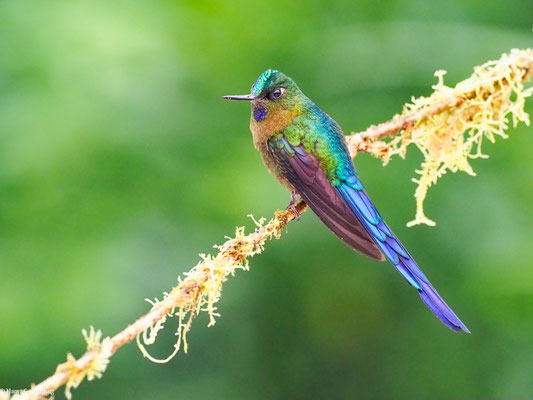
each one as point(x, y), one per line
point(263, 130)
point(272, 123)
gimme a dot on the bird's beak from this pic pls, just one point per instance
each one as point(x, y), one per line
point(248, 97)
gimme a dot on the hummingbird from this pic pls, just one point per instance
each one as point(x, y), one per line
point(305, 149)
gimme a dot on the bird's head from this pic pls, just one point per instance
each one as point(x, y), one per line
point(273, 93)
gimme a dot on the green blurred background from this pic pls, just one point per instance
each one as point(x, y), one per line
point(120, 162)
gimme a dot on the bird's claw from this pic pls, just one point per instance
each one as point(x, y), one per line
point(292, 206)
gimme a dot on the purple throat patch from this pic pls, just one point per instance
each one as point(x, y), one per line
point(260, 114)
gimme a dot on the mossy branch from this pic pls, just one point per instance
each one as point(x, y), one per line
point(448, 128)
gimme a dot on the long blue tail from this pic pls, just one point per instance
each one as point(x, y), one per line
point(358, 201)
point(346, 209)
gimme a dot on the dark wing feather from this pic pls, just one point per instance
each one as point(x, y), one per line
point(303, 171)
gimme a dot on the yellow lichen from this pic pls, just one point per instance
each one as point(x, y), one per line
point(102, 351)
point(203, 284)
point(461, 118)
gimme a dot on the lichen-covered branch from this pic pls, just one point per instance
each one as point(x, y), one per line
point(447, 127)
point(198, 291)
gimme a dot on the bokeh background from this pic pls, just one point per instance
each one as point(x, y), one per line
point(120, 162)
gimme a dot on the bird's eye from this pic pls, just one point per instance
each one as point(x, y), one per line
point(276, 94)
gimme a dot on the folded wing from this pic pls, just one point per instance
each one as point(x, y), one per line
point(303, 171)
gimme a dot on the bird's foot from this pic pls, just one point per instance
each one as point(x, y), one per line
point(292, 205)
